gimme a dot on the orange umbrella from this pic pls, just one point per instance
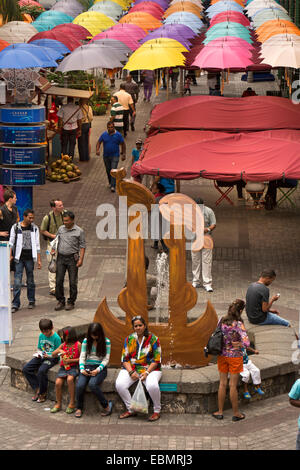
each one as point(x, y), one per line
point(240, 2)
point(278, 30)
point(187, 6)
point(146, 21)
point(273, 23)
point(3, 44)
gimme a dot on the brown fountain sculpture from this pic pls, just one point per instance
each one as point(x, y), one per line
point(181, 342)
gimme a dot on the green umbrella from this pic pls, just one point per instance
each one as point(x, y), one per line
point(264, 16)
point(227, 32)
point(109, 8)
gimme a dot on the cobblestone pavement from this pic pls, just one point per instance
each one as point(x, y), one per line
point(245, 242)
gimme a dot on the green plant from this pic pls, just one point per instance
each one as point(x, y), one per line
point(32, 10)
point(9, 11)
point(98, 109)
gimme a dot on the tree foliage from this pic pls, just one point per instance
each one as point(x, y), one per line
point(9, 11)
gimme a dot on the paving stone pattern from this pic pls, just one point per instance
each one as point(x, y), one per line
point(245, 242)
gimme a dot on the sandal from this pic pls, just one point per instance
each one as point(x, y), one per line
point(154, 417)
point(35, 397)
point(108, 412)
point(217, 416)
point(78, 413)
point(55, 409)
point(127, 414)
point(238, 418)
point(247, 395)
point(70, 410)
point(42, 397)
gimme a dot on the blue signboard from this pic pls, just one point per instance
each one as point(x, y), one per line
point(168, 387)
point(22, 115)
point(31, 176)
point(23, 134)
point(10, 155)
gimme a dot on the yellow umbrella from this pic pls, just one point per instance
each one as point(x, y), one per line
point(156, 54)
point(123, 3)
point(94, 22)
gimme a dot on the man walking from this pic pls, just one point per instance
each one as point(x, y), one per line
point(69, 122)
point(133, 89)
point(49, 227)
point(112, 141)
point(117, 114)
point(70, 255)
point(125, 99)
point(258, 305)
point(203, 258)
point(24, 243)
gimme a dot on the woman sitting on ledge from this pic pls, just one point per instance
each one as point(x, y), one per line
point(141, 359)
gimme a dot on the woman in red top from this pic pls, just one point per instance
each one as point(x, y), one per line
point(69, 351)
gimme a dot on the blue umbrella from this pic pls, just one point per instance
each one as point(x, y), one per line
point(52, 44)
point(16, 57)
point(221, 7)
point(38, 50)
point(186, 18)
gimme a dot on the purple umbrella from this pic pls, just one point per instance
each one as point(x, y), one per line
point(167, 34)
point(180, 29)
point(163, 3)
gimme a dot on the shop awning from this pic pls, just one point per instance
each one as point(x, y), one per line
point(254, 156)
point(254, 113)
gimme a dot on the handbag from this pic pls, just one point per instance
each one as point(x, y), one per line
point(139, 403)
point(52, 264)
point(215, 342)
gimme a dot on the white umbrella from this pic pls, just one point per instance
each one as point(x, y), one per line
point(281, 39)
point(117, 45)
point(92, 56)
point(70, 7)
point(17, 31)
point(287, 55)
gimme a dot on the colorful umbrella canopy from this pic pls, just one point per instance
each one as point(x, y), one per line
point(119, 36)
point(234, 16)
point(37, 50)
point(182, 30)
point(108, 7)
point(279, 39)
point(16, 57)
point(278, 30)
point(25, 3)
point(186, 18)
point(144, 20)
point(227, 29)
point(94, 21)
point(92, 56)
point(261, 20)
point(287, 55)
point(3, 44)
point(147, 6)
point(239, 2)
point(269, 25)
point(52, 44)
point(135, 31)
point(49, 19)
point(69, 41)
point(70, 7)
point(17, 31)
point(171, 35)
point(260, 4)
point(155, 11)
point(189, 7)
point(119, 46)
point(157, 53)
point(267, 9)
point(122, 3)
point(195, 2)
point(73, 30)
point(163, 3)
point(224, 5)
point(223, 57)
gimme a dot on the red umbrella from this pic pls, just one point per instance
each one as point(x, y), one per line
point(71, 42)
point(234, 16)
point(155, 10)
point(75, 30)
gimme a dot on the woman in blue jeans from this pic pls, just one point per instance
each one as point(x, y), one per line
point(93, 361)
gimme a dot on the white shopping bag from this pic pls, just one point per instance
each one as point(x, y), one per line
point(139, 403)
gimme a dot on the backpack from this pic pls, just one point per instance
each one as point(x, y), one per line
point(48, 225)
point(215, 342)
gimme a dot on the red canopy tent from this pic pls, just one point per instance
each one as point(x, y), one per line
point(254, 113)
point(253, 156)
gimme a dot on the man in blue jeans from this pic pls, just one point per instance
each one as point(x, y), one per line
point(24, 243)
point(112, 141)
point(258, 304)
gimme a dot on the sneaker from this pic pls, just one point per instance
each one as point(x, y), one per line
point(112, 189)
point(31, 305)
point(208, 288)
point(196, 285)
point(14, 309)
point(247, 396)
point(59, 306)
point(259, 391)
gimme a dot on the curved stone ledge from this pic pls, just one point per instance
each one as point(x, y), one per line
point(190, 390)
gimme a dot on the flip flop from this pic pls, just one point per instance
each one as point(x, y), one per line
point(42, 398)
point(217, 416)
point(35, 397)
point(238, 418)
point(55, 409)
point(70, 410)
point(78, 413)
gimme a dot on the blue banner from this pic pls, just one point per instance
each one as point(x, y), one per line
point(10, 155)
point(22, 115)
point(23, 134)
point(22, 176)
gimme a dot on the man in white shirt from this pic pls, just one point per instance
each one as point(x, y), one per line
point(125, 99)
point(69, 123)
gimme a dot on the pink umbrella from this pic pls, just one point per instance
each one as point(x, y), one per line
point(135, 31)
point(234, 16)
point(25, 3)
point(120, 36)
point(223, 56)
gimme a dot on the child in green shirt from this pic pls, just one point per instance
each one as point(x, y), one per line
point(36, 370)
